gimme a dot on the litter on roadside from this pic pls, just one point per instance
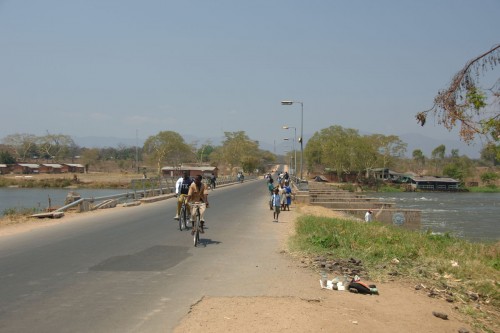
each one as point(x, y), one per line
point(338, 283)
point(342, 283)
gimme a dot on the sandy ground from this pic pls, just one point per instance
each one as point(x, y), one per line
point(303, 306)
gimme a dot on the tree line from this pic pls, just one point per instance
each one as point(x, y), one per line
point(349, 155)
point(165, 148)
point(342, 150)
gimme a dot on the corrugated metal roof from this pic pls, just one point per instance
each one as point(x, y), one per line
point(434, 179)
point(187, 168)
point(74, 165)
point(29, 165)
point(53, 165)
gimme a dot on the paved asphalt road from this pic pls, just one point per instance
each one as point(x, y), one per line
point(132, 270)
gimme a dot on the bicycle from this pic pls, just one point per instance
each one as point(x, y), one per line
point(183, 217)
point(197, 223)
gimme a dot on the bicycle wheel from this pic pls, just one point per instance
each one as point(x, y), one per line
point(182, 218)
point(196, 237)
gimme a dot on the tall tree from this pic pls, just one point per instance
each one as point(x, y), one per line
point(334, 147)
point(90, 156)
point(460, 168)
point(23, 144)
point(237, 147)
point(465, 103)
point(57, 146)
point(389, 147)
point(6, 157)
point(455, 153)
point(418, 157)
point(491, 153)
point(439, 152)
point(204, 152)
point(437, 156)
point(167, 146)
point(367, 154)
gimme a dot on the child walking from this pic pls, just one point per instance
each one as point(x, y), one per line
point(276, 198)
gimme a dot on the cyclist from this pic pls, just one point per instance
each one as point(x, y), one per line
point(198, 194)
point(181, 191)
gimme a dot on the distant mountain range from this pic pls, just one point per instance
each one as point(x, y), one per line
point(414, 141)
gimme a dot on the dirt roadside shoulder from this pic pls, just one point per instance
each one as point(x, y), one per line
point(305, 307)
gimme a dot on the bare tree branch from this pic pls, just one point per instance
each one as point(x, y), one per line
point(463, 103)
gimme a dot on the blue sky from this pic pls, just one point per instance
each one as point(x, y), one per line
point(200, 68)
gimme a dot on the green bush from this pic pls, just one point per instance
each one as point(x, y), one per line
point(18, 211)
point(422, 255)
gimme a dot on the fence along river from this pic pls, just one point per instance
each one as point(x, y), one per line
point(473, 216)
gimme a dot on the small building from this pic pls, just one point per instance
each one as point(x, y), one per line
point(385, 174)
point(432, 183)
point(176, 172)
point(73, 168)
point(50, 168)
point(4, 169)
point(25, 168)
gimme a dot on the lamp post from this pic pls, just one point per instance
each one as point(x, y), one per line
point(301, 139)
point(291, 159)
point(286, 152)
point(294, 150)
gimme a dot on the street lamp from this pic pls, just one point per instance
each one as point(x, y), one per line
point(291, 159)
point(301, 139)
point(294, 150)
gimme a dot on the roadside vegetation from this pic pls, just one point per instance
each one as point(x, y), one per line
point(19, 211)
point(485, 189)
point(456, 270)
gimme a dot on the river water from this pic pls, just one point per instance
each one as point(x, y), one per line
point(38, 198)
point(473, 216)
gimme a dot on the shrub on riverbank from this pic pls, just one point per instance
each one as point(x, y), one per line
point(485, 189)
point(457, 270)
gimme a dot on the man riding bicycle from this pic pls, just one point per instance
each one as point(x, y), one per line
point(198, 193)
point(181, 191)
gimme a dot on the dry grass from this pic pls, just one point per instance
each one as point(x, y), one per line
point(92, 179)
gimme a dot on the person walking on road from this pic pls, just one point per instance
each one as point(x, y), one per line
point(276, 198)
point(212, 181)
point(288, 195)
point(282, 193)
point(270, 187)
